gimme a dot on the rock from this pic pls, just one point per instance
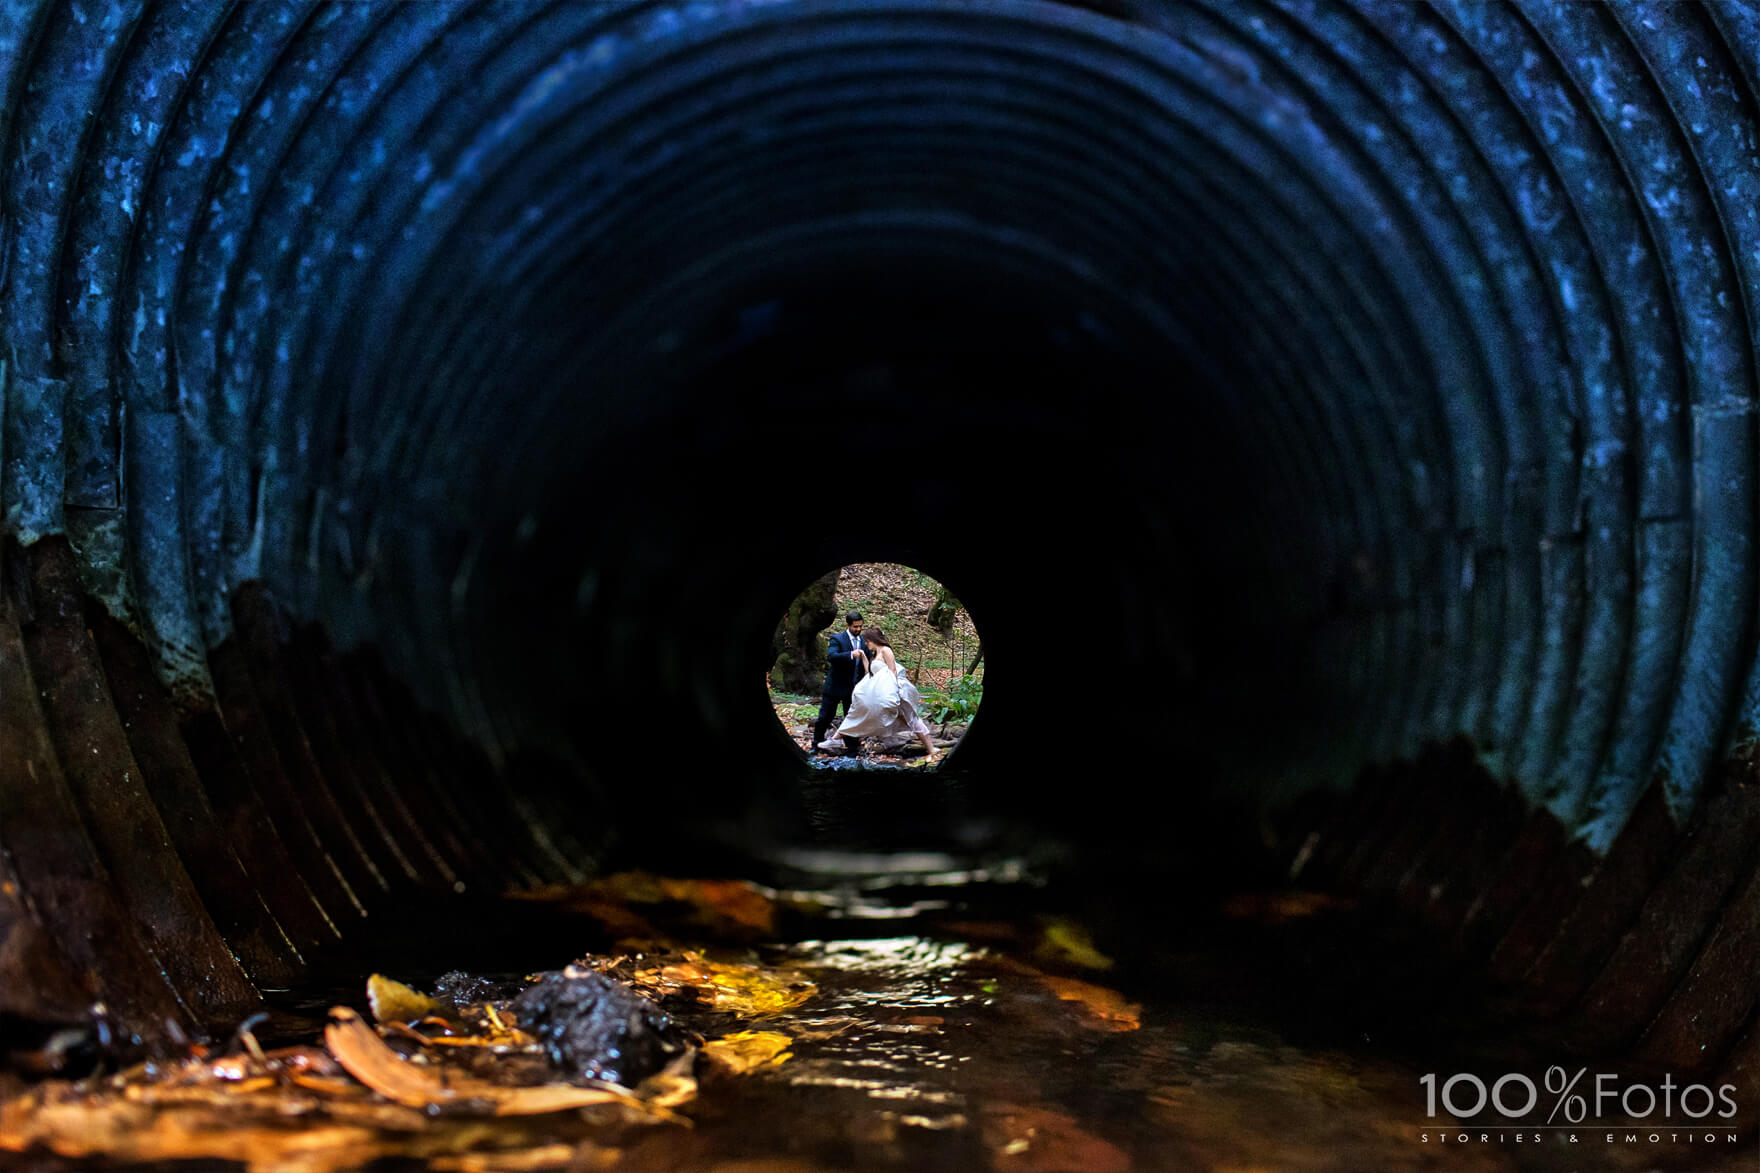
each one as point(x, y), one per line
point(903, 745)
point(596, 1028)
point(799, 663)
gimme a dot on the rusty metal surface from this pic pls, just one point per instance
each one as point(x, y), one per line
point(1568, 938)
point(1706, 1011)
point(74, 900)
point(348, 831)
point(348, 757)
point(228, 863)
point(172, 870)
point(107, 785)
point(247, 822)
point(472, 837)
point(38, 983)
point(1649, 953)
point(1741, 1066)
point(1673, 926)
point(1538, 861)
point(245, 727)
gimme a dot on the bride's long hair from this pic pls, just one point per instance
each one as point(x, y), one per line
point(874, 635)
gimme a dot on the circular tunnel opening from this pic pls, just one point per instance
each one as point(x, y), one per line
point(825, 642)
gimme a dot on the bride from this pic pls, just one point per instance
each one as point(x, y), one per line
point(884, 703)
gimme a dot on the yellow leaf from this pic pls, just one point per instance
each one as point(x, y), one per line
point(749, 1049)
point(1064, 941)
point(392, 1001)
point(751, 991)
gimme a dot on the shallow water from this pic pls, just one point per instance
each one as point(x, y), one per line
point(957, 1056)
point(962, 1019)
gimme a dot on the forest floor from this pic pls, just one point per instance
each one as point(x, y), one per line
point(798, 713)
point(896, 600)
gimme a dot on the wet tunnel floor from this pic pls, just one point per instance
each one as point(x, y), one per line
point(932, 1009)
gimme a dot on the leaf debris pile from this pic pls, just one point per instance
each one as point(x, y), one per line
point(437, 1076)
point(655, 1054)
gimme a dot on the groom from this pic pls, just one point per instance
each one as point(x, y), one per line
point(843, 668)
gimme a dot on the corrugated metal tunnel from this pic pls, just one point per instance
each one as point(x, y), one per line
point(390, 388)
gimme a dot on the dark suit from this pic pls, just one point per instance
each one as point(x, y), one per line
point(841, 675)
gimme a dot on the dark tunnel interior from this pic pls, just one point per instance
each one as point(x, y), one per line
point(908, 400)
point(1361, 395)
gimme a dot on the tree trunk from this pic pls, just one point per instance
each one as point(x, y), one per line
point(943, 612)
point(976, 660)
point(800, 653)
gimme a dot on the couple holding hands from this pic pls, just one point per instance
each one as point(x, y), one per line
point(864, 678)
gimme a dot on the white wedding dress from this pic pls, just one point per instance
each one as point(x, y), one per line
point(884, 706)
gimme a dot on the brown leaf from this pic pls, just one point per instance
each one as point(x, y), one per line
point(366, 1057)
point(1277, 908)
point(672, 1086)
point(732, 908)
point(1104, 1008)
point(1038, 1140)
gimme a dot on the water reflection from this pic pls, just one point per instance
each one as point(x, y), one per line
point(992, 1036)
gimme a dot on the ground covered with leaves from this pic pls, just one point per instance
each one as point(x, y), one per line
point(898, 600)
point(798, 714)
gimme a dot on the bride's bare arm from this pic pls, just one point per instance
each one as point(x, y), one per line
point(891, 662)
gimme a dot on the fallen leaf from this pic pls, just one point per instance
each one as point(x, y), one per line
point(673, 1085)
point(751, 991)
point(1277, 908)
point(748, 1050)
point(262, 1139)
point(738, 901)
point(1063, 941)
point(730, 908)
point(1038, 1140)
point(392, 1001)
point(366, 1057)
point(1106, 1009)
point(552, 1156)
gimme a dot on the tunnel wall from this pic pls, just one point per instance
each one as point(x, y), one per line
point(309, 309)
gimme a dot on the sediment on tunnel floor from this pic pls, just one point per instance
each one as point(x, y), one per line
point(1385, 373)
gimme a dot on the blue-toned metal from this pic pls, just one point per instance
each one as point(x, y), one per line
point(343, 297)
point(1526, 428)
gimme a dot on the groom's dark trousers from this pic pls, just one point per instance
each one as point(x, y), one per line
point(841, 674)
